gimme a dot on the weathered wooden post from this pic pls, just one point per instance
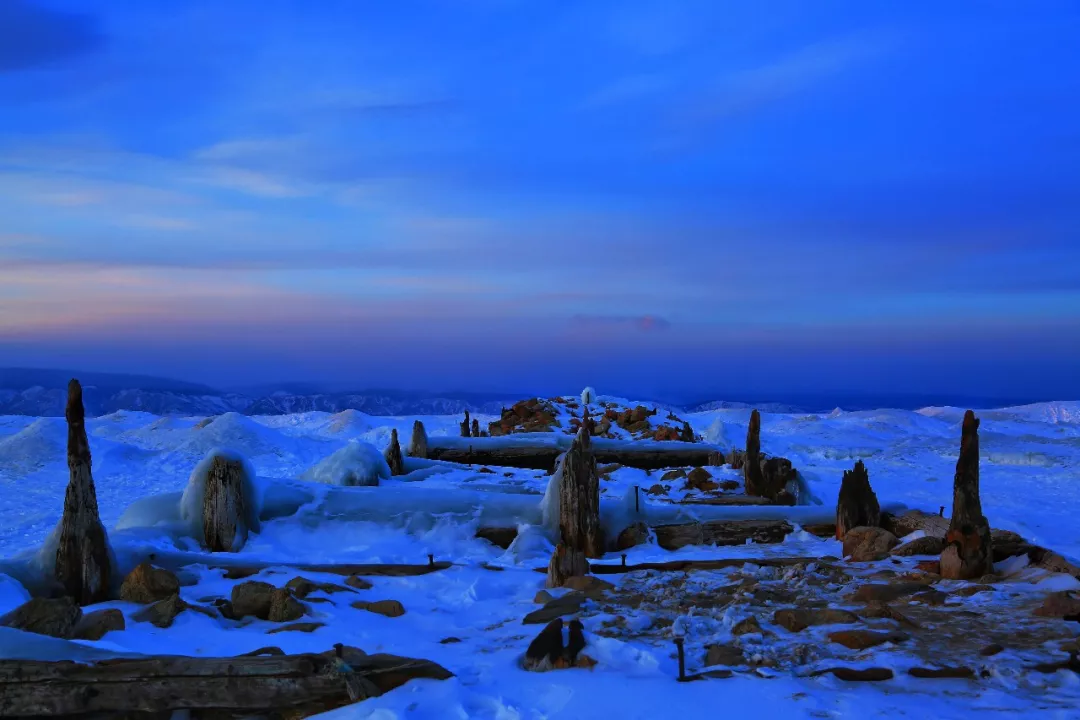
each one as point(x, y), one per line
point(225, 505)
point(475, 428)
point(82, 557)
point(968, 553)
point(465, 425)
point(418, 442)
point(579, 512)
point(857, 505)
point(393, 455)
point(752, 475)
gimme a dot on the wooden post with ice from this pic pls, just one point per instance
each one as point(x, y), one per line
point(418, 442)
point(393, 455)
point(752, 475)
point(580, 536)
point(224, 505)
point(82, 557)
point(968, 553)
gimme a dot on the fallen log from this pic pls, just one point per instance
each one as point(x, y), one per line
point(543, 457)
point(691, 565)
point(238, 571)
point(293, 685)
point(721, 532)
point(727, 500)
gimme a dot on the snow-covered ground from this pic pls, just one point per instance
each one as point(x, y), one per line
point(1030, 479)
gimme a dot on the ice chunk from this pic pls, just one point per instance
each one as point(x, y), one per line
point(588, 396)
point(358, 463)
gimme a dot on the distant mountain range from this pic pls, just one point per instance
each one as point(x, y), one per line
point(43, 393)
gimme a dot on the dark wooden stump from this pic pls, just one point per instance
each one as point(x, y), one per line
point(224, 525)
point(466, 426)
point(565, 564)
point(580, 535)
point(752, 477)
point(968, 553)
point(393, 455)
point(475, 428)
point(82, 557)
point(418, 445)
point(857, 505)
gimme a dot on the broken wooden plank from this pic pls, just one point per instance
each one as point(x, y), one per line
point(721, 532)
point(302, 684)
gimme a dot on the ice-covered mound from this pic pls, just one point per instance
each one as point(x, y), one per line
point(154, 433)
point(358, 463)
point(239, 433)
point(39, 444)
point(348, 423)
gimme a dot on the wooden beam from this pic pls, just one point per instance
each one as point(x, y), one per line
point(290, 684)
point(721, 532)
point(542, 457)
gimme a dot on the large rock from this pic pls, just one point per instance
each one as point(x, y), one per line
point(632, 536)
point(161, 614)
point(94, 626)
point(387, 608)
point(1064, 604)
point(700, 479)
point(865, 544)
point(393, 455)
point(148, 584)
point(913, 521)
point(252, 598)
point(857, 505)
point(224, 525)
point(969, 549)
point(865, 639)
point(55, 618)
point(925, 545)
point(798, 620)
point(82, 556)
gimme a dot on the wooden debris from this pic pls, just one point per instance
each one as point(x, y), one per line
point(579, 512)
point(82, 557)
point(721, 532)
point(224, 506)
point(857, 505)
point(298, 685)
point(969, 552)
point(418, 443)
point(393, 455)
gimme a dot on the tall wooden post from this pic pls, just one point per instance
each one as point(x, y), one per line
point(418, 442)
point(857, 505)
point(968, 553)
point(580, 536)
point(753, 478)
point(82, 557)
point(393, 455)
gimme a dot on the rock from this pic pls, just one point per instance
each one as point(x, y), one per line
point(956, 673)
point(389, 608)
point(301, 587)
point(498, 536)
point(800, 619)
point(657, 489)
point(1060, 605)
point(747, 626)
point(920, 546)
point(304, 627)
point(93, 626)
point(393, 455)
point(857, 505)
point(543, 597)
point(930, 597)
point(82, 556)
point(449, 641)
point(729, 485)
point(877, 611)
point(43, 616)
point(358, 583)
point(162, 613)
point(284, 607)
point(224, 506)
point(777, 473)
point(687, 433)
point(969, 548)
point(991, 650)
point(567, 604)
point(418, 444)
point(886, 593)
point(915, 520)
point(728, 655)
point(148, 584)
point(666, 433)
point(587, 584)
point(700, 479)
point(865, 544)
point(546, 649)
point(931, 567)
point(970, 590)
point(672, 475)
point(736, 459)
point(252, 598)
point(865, 639)
point(636, 534)
point(860, 675)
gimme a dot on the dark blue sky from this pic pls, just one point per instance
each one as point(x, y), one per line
point(502, 194)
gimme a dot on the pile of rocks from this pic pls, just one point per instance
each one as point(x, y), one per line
point(527, 416)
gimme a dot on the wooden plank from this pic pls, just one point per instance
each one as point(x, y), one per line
point(543, 457)
point(733, 500)
point(300, 683)
point(721, 532)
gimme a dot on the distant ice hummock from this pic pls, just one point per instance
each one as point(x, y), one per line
point(588, 396)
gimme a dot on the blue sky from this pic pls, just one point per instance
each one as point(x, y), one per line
point(675, 197)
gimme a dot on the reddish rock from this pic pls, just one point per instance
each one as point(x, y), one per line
point(865, 544)
point(865, 639)
point(148, 584)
